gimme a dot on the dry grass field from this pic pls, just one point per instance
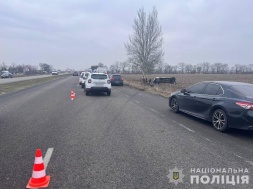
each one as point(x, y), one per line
point(183, 80)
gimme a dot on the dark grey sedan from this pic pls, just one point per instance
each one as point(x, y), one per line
point(225, 104)
point(116, 79)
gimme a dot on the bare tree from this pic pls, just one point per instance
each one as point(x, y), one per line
point(188, 68)
point(206, 67)
point(112, 69)
point(123, 65)
point(181, 67)
point(167, 68)
point(199, 68)
point(144, 49)
point(160, 68)
point(100, 64)
point(4, 66)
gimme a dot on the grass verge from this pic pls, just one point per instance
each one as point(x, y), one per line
point(16, 86)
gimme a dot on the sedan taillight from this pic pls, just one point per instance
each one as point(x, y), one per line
point(245, 105)
point(89, 81)
point(108, 81)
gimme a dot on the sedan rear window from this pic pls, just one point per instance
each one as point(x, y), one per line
point(246, 90)
point(116, 76)
point(98, 76)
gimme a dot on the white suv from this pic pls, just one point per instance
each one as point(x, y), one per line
point(98, 82)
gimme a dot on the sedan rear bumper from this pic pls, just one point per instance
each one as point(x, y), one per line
point(243, 121)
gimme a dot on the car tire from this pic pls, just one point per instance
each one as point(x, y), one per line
point(82, 86)
point(174, 105)
point(219, 120)
point(122, 84)
point(109, 93)
point(87, 93)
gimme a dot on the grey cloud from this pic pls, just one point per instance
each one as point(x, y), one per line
point(80, 33)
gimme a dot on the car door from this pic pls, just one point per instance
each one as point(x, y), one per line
point(187, 101)
point(211, 95)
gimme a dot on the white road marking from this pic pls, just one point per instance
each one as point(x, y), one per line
point(163, 115)
point(208, 139)
point(139, 94)
point(137, 101)
point(187, 128)
point(48, 156)
point(250, 162)
point(126, 95)
point(238, 156)
point(154, 110)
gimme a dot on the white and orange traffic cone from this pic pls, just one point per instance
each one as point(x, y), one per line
point(39, 178)
point(72, 95)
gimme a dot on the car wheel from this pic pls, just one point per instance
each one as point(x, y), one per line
point(82, 86)
point(87, 93)
point(122, 84)
point(109, 93)
point(219, 120)
point(174, 105)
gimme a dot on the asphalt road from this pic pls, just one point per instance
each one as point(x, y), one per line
point(16, 79)
point(129, 140)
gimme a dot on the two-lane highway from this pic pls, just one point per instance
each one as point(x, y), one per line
point(128, 140)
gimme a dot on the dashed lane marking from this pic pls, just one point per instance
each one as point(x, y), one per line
point(208, 139)
point(48, 156)
point(238, 156)
point(186, 128)
point(154, 110)
point(250, 162)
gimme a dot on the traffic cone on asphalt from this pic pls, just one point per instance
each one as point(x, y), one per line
point(72, 95)
point(39, 178)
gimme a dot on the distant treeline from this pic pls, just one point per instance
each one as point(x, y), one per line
point(26, 69)
point(183, 68)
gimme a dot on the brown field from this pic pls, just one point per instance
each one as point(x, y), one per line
point(183, 80)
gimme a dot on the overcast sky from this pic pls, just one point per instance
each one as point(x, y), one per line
point(80, 33)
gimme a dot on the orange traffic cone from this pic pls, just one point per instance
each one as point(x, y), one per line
point(39, 178)
point(72, 95)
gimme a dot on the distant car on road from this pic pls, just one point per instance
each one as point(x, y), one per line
point(225, 104)
point(55, 72)
point(75, 73)
point(98, 82)
point(116, 79)
point(6, 74)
